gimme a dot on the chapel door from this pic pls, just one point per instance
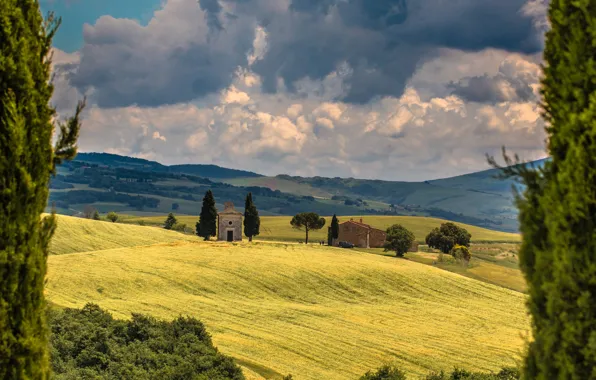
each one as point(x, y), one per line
point(230, 235)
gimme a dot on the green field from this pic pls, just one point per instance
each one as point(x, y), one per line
point(316, 312)
point(278, 228)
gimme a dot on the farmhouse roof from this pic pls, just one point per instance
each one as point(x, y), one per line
point(229, 209)
point(363, 225)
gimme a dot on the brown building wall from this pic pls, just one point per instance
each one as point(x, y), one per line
point(352, 233)
point(377, 238)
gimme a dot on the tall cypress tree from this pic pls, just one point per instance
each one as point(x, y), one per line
point(27, 159)
point(334, 227)
point(558, 206)
point(207, 224)
point(252, 220)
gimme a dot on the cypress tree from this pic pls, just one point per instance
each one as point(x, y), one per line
point(27, 159)
point(558, 206)
point(252, 220)
point(207, 224)
point(334, 227)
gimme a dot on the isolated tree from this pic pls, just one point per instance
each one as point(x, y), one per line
point(557, 208)
point(170, 221)
point(399, 240)
point(27, 159)
point(175, 206)
point(112, 217)
point(96, 215)
point(307, 221)
point(444, 238)
point(334, 227)
point(207, 224)
point(252, 220)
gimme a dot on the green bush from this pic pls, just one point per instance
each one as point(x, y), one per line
point(180, 227)
point(461, 253)
point(112, 216)
point(386, 372)
point(88, 343)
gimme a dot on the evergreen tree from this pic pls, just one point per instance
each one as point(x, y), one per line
point(558, 204)
point(252, 220)
point(207, 224)
point(334, 227)
point(96, 215)
point(170, 221)
point(27, 159)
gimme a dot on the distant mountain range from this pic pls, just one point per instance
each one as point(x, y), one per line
point(138, 186)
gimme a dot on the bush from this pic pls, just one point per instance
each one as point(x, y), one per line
point(112, 216)
point(386, 372)
point(461, 253)
point(89, 344)
point(180, 227)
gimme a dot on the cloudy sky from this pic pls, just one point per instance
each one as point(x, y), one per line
point(386, 89)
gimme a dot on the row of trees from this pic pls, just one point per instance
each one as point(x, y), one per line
point(206, 227)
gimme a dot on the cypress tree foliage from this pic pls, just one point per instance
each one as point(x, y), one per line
point(252, 220)
point(334, 227)
point(207, 224)
point(558, 206)
point(27, 159)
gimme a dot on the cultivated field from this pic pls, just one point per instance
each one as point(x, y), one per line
point(278, 228)
point(82, 235)
point(316, 312)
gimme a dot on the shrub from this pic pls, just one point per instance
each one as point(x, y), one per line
point(386, 372)
point(461, 253)
point(112, 216)
point(180, 227)
point(89, 344)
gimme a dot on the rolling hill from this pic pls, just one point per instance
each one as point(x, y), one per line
point(136, 186)
point(82, 235)
point(316, 312)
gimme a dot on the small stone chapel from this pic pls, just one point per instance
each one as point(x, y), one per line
point(229, 223)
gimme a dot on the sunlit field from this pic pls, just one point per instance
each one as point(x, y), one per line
point(81, 235)
point(316, 312)
point(278, 228)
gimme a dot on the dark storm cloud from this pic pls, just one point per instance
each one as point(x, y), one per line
point(382, 41)
point(487, 89)
point(212, 9)
point(385, 40)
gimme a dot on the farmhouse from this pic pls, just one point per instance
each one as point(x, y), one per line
point(229, 223)
point(363, 235)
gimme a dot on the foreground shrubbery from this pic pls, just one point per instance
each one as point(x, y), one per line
point(89, 344)
point(388, 372)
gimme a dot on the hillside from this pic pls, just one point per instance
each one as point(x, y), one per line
point(278, 228)
point(136, 186)
point(316, 312)
point(82, 235)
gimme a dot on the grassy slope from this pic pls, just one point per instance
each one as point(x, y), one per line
point(279, 228)
point(82, 235)
point(316, 312)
